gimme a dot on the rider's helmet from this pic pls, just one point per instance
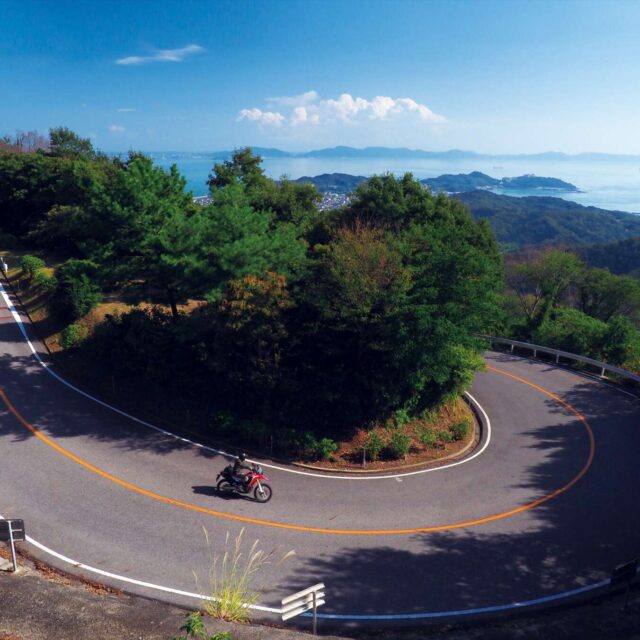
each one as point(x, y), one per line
point(242, 457)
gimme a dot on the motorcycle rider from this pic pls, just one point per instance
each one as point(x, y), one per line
point(237, 476)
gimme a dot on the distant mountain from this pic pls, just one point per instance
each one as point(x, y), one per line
point(461, 182)
point(392, 153)
point(384, 152)
point(622, 257)
point(333, 182)
point(536, 221)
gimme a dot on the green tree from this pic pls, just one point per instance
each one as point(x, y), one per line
point(573, 331)
point(602, 294)
point(289, 202)
point(539, 280)
point(78, 289)
point(398, 293)
point(252, 338)
point(64, 142)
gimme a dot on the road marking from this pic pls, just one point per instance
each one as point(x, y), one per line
point(331, 616)
point(140, 583)
point(308, 529)
point(51, 372)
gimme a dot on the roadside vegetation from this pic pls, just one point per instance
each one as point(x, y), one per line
point(235, 577)
point(261, 320)
point(554, 299)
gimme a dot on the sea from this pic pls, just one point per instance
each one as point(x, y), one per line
point(605, 183)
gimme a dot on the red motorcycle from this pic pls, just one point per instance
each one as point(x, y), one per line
point(252, 481)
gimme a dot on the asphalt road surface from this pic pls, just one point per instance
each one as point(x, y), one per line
point(549, 505)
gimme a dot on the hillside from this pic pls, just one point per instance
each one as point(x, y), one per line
point(461, 182)
point(333, 182)
point(534, 220)
point(621, 257)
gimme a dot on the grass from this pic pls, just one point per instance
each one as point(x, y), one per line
point(234, 577)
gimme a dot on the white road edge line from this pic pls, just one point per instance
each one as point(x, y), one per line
point(140, 583)
point(332, 616)
point(48, 369)
point(188, 594)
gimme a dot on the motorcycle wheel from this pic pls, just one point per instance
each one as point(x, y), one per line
point(224, 486)
point(263, 492)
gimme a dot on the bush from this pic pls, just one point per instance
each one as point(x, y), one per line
point(74, 297)
point(31, 264)
point(73, 335)
point(44, 281)
point(326, 448)
point(317, 449)
point(428, 438)
point(399, 445)
point(460, 430)
point(573, 331)
point(402, 417)
point(446, 437)
point(373, 445)
point(194, 628)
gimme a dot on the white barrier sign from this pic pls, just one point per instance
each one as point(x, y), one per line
point(302, 601)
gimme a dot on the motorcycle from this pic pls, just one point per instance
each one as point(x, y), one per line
point(253, 481)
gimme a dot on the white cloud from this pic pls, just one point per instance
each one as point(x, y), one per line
point(308, 109)
point(116, 128)
point(261, 117)
point(125, 110)
point(424, 111)
point(163, 55)
point(295, 101)
point(301, 115)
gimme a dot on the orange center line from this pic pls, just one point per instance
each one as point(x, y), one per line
point(295, 527)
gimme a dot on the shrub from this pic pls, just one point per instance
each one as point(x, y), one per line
point(428, 438)
point(429, 415)
point(325, 448)
point(73, 335)
point(459, 430)
point(317, 449)
point(194, 628)
point(74, 297)
point(446, 437)
point(402, 417)
point(308, 445)
point(399, 445)
point(30, 264)
point(373, 445)
point(45, 281)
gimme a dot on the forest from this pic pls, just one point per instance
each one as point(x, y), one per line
point(280, 325)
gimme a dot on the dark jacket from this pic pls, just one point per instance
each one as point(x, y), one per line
point(238, 466)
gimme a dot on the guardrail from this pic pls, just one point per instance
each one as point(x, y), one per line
point(603, 367)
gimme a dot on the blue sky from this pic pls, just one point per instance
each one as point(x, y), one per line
point(494, 76)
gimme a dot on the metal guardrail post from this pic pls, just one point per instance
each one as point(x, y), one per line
point(13, 548)
point(602, 367)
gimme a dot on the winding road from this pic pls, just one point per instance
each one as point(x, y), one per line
point(546, 506)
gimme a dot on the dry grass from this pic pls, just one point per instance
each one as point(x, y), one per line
point(234, 577)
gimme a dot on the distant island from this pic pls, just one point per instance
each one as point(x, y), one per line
point(462, 182)
point(344, 183)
